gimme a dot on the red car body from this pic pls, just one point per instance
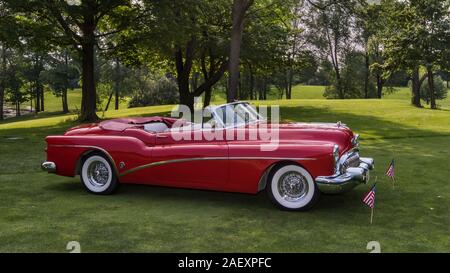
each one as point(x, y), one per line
point(142, 157)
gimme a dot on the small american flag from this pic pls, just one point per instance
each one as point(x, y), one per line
point(390, 170)
point(369, 198)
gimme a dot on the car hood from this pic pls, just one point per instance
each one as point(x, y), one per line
point(313, 133)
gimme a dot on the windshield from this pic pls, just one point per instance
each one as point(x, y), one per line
point(236, 114)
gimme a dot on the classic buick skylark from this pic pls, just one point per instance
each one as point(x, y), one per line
point(310, 158)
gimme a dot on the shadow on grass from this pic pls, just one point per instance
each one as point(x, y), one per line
point(369, 127)
point(198, 198)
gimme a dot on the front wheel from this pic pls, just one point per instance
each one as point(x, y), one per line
point(291, 187)
point(97, 175)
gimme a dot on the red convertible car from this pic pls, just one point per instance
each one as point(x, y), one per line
point(309, 159)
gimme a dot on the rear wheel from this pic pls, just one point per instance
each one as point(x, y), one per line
point(97, 175)
point(291, 187)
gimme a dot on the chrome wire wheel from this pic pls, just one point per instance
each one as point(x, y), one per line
point(292, 186)
point(97, 175)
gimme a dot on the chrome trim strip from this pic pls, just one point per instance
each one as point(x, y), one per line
point(158, 163)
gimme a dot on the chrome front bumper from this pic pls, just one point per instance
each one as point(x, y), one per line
point(49, 166)
point(342, 182)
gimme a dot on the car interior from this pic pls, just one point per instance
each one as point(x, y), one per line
point(156, 127)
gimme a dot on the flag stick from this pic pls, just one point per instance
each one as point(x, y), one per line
point(393, 183)
point(371, 215)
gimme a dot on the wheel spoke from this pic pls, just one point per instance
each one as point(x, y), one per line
point(98, 174)
point(292, 186)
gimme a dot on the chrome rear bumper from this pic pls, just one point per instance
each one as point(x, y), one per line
point(342, 182)
point(49, 166)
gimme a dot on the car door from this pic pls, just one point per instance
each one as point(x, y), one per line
point(186, 161)
point(247, 162)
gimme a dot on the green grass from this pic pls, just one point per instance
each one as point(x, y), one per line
point(53, 104)
point(42, 212)
point(307, 92)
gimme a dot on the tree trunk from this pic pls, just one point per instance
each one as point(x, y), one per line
point(89, 96)
point(290, 78)
point(186, 97)
point(116, 100)
point(65, 104)
point(235, 48)
point(339, 84)
point(207, 99)
point(42, 96)
point(31, 102)
point(194, 81)
point(38, 98)
point(109, 101)
point(252, 83)
point(379, 86)
point(415, 100)
point(239, 93)
point(64, 101)
point(183, 73)
point(431, 88)
point(367, 75)
point(264, 88)
point(238, 13)
point(64, 92)
point(2, 80)
point(117, 84)
point(17, 108)
point(335, 62)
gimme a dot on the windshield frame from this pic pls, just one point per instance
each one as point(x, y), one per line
point(246, 106)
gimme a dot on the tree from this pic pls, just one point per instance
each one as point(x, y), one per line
point(9, 39)
point(14, 81)
point(239, 10)
point(417, 36)
point(85, 25)
point(266, 54)
point(372, 24)
point(187, 38)
point(331, 27)
point(434, 38)
point(3, 68)
point(151, 89)
point(32, 71)
point(63, 75)
point(440, 90)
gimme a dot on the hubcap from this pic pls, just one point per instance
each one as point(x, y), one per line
point(98, 174)
point(292, 186)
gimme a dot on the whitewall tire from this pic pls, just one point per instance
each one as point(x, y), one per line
point(291, 187)
point(97, 175)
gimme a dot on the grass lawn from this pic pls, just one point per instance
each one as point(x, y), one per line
point(42, 212)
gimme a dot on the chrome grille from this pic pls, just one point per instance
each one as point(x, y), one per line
point(349, 159)
point(352, 161)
